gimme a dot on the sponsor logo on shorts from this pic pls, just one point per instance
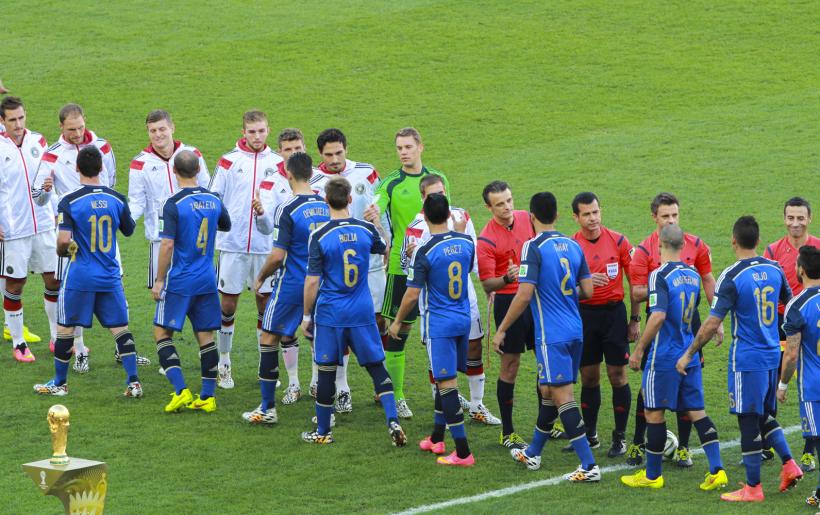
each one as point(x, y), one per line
point(442, 371)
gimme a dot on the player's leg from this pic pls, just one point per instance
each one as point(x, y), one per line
point(327, 351)
point(62, 358)
point(594, 320)
point(169, 316)
point(634, 453)
point(476, 379)
point(51, 291)
point(518, 337)
point(773, 435)
point(44, 261)
point(203, 312)
point(547, 416)
point(290, 355)
point(448, 356)
point(13, 311)
point(233, 271)
point(394, 350)
point(616, 357)
point(344, 401)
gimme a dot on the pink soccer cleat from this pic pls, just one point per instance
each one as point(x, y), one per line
point(24, 356)
point(454, 460)
point(428, 445)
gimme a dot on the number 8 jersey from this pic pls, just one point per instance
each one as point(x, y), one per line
point(93, 214)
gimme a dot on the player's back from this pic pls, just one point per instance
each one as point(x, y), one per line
point(803, 311)
point(442, 268)
point(554, 263)
point(192, 216)
point(340, 254)
point(93, 214)
point(674, 288)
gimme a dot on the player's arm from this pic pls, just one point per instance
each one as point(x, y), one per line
point(410, 299)
point(416, 279)
point(137, 192)
point(585, 284)
point(167, 234)
point(127, 223)
point(272, 264)
point(43, 183)
point(109, 165)
point(528, 279)
point(203, 178)
point(639, 275)
point(793, 327)
point(486, 268)
point(65, 224)
point(705, 334)
point(311, 290)
point(658, 298)
point(223, 223)
point(64, 242)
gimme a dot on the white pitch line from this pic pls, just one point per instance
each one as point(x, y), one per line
point(510, 490)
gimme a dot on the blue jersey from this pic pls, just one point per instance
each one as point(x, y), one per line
point(674, 289)
point(751, 289)
point(441, 268)
point(554, 264)
point(295, 219)
point(802, 316)
point(93, 214)
point(340, 254)
point(191, 218)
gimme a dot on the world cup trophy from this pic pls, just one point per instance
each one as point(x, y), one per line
point(58, 425)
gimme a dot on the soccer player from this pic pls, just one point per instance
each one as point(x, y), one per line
point(190, 219)
point(151, 179)
point(749, 289)
point(398, 201)
point(88, 219)
point(665, 210)
point(336, 285)
point(673, 296)
point(416, 235)
point(499, 254)
point(27, 234)
point(247, 181)
point(553, 275)
point(294, 221)
point(606, 331)
point(439, 270)
point(797, 218)
point(802, 327)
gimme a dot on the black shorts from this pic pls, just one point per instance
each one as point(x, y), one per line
point(520, 336)
point(695, 329)
point(605, 336)
point(393, 293)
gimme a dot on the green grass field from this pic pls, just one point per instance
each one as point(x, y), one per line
point(717, 102)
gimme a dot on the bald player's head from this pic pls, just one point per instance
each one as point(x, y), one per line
point(671, 237)
point(186, 164)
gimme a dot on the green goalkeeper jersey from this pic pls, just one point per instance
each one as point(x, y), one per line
point(400, 202)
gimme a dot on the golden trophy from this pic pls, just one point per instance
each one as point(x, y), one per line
point(80, 484)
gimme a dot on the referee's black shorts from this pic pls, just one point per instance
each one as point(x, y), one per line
point(605, 334)
point(520, 336)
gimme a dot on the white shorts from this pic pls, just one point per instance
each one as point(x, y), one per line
point(377, 282)
point(153, 261)
point(237, 271)
point(476, 331)
point(36, 253)
point(62, 264)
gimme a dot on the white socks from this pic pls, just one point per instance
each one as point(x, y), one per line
point(341, 375)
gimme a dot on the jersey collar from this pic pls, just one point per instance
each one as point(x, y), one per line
point(150, 148)
point(242, 145)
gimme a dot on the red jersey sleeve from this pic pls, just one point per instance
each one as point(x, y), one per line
point(769, 253)
point(625, 255)
point(639, 267)
point(486, 259)
point(703, 259)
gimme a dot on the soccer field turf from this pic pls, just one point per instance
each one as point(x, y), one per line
point(716, 102)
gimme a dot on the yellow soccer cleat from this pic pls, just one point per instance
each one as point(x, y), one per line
point(208, 405)
point(179, 401)
point(28, 336)
point(715, 481)
point(639, 480)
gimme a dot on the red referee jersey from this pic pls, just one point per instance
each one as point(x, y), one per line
point(497, 245)
point(784, 253)
point(647, 257)
point(608, 254)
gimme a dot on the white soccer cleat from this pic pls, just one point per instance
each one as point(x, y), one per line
point(50, 388)
point(259, 416)
point(532, 462)
point(313, 388)
point(344, 403)
point(402, 409)
point(482, 414)
point(580, 475)
point(292, 394)
point(81, 363)
point(134, 390)
point(224, 379)
point(465, 404)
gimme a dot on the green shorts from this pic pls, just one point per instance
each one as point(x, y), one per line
point(393, 293)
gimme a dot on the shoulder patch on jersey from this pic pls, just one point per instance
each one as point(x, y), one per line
point(106, 148)
point(161, 224)
point(137, 165)
point(522, 271)
point(49, 157)
point(373, 177)
point(714, 301)
point(59, 218)
point(275, 234)
point(224, 163)
point(197, 152)
point(410, 274)
point(653, 300)
point(43, 142)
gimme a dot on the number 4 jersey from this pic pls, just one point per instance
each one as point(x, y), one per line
point(93, 214)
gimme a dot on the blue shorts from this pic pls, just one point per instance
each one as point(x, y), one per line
point(667, 389)
point(810, 418)
point(753, 392)
point(330, 343)
point(447, 355)
point(204, 312)
point(558, 363)
point(281, 318)
point(75, 308)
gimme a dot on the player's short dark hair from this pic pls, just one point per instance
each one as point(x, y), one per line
point(409, 132)
point(337, 192)
point(330, 136)
point(544, 206)
point(494, 187)
point(300, 166)
point(289, 134)
point(253, 116)
point(436, 208)
point(157, 115)
point(663, 199)
point(429, 180)
point(797, 202)
point(672, 236)
point(70, 110)
point(585, 197)
point(746, 232)
point(186, 164)
point(9, 104)
point(809, 261)
point(89, 161)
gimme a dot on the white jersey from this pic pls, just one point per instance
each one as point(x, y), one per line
point(60, 163)
point(20, 216)
point(152, 181)
point(238, 177)
point(364, 179)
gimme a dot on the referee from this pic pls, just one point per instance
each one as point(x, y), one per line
point(499, 256)
point(606, 331)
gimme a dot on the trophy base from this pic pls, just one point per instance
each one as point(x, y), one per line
point(81, 485)
point(60, 460)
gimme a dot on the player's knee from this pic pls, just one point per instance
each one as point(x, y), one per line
point(397, 344)
point(326, 385)
point(167, 353)
point(654, 416)
point(290, 343)
point(591, 376)
point(125, 343)
point(750, 440)
point(617, 375)
point(209, 360)
point(62, 346)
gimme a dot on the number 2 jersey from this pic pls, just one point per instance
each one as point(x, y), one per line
point(751, 289)
point(441, 269)
point(191, 218)
point(340, 255)
point(674, 289)
point(93, 214)
point(802, 317)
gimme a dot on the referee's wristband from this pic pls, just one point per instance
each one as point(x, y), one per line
point(635, 318)
point(782, 386)
point(506, 279)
